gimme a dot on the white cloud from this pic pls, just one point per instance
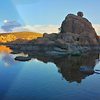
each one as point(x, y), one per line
point(48, 28)
point(13, 26)
point(38, 28)
point(9, 25)
point(2, 31)
point(97, 28)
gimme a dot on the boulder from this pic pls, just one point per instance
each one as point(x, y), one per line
point(76, 24)
point(21, 58)
point(52, 36)
point(80, 14)
point(68, 37)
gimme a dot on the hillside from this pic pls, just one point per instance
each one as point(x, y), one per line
point(8, 37)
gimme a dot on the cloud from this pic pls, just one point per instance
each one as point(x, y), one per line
point(48, 28)
point(2, 31)
point(97, 28)
point(9, 25)
point(13, 26)
point(38, 28)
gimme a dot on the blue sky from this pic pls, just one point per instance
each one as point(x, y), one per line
point(47, 12)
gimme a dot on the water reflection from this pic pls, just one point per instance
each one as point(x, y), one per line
point(8, 60)
point(5, 49)
point(69, 67)
point(40, 78)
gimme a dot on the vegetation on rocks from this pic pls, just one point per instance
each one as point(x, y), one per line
point(8, 37)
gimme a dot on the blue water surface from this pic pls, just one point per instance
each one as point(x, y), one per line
point(36, 80)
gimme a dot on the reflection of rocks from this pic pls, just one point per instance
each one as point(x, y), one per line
point(70, 66)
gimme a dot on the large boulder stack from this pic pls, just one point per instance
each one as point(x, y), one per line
point(76, 36)
point(81, 28)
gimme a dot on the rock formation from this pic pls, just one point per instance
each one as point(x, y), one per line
point(81, 28)
point(76, 36)
point(74, 29)
point(80, 14)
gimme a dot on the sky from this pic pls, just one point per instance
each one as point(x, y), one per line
point(49, 13)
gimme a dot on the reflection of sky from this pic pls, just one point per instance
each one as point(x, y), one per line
point(6, 75)
point(29, 73)
point(37, 80)
point(8, 60)
point(97, 67)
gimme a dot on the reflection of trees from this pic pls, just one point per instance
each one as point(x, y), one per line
point(69, 66)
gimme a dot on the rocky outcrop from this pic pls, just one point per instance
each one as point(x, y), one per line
point(81, 28)
point(74, 29)
point(76, 36)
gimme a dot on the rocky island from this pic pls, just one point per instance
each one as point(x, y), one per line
point(76, 36)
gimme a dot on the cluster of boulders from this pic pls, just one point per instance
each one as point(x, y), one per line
point(76, 36)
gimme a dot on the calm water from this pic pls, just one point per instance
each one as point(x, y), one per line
point(48, 78)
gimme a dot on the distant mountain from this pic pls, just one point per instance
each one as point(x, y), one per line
point(8, 37)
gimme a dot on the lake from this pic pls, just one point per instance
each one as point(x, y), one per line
point(48, 78)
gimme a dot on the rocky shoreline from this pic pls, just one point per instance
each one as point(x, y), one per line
point(76, 36)
point(50, 50)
